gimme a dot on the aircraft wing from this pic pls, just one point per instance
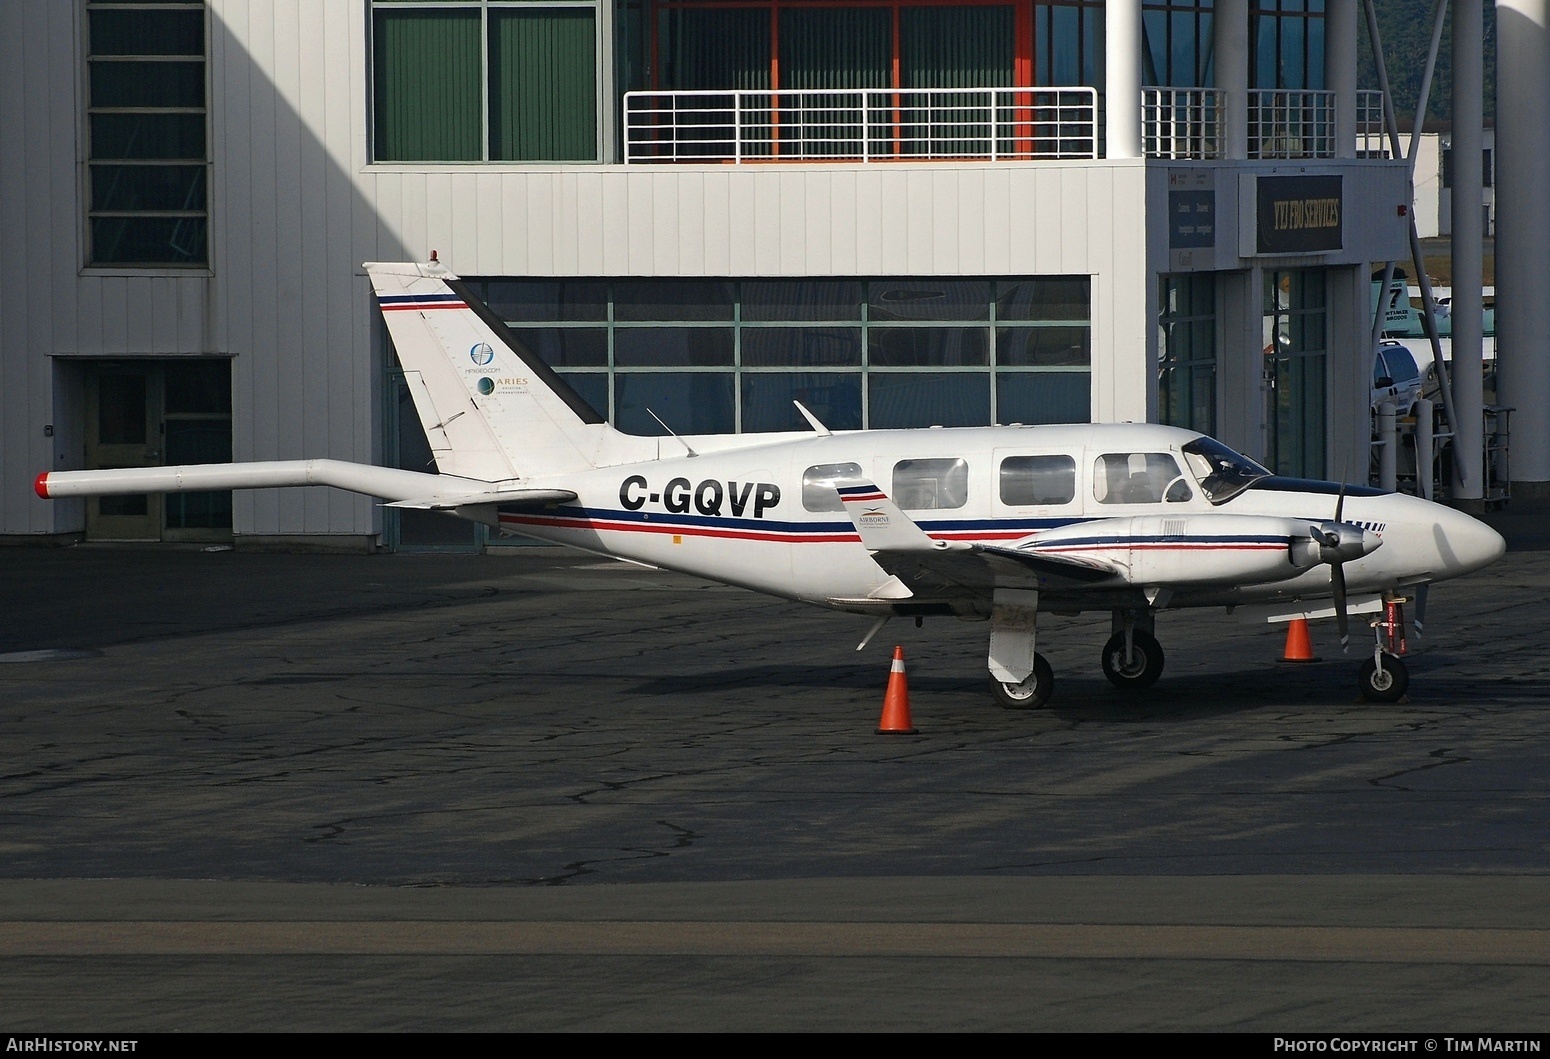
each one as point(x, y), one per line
point(928, 566)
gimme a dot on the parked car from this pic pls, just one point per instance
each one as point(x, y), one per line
point(1397, 377)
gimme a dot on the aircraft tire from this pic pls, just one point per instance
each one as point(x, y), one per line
point(1146, 661)
point(1383, 685)
point(1032, 693)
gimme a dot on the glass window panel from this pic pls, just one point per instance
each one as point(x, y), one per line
point(1048, 298)
point(929, 299)
point(121, 409)
point(543, 85)
point(134, 505)
point(566, 347)
point(1136, 478)
point(835, 47)
point(148, 240)
point(535, 300)
point(147, 32)
point(923, 399)
point(689, 402)
point(778, 347)
point(204, 387)
point(198, 441)
point(927, 346)
point(592, 386)
point(1043, 346)
point(1154, 33)
point(427, 95)
point(198, 510)
point(1030, 481)
point(931, 485)
point(148, 187)
point(834, 397)
point(715, 48)
point(1044, 397)
point(652, 347)
point(820, 484)
point(669, 300)
point(147, 136)
point(148, 84)
point(802, 299)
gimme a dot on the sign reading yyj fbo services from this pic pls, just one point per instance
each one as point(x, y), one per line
point(1299, 214)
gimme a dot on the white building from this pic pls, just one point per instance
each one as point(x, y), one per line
point(1434, 183)
point(903, 213)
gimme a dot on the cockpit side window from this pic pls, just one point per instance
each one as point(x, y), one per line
point(1221, 472)
point(928, 485)
point(820, 485)
point(1139, 478)
point(1037, 481)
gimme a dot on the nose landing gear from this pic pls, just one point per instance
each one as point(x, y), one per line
point(1383, 677)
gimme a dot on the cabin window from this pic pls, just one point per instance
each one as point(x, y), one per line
point(1037, 481)
point(931, 485)
point(820, 485)
point(1139, 478)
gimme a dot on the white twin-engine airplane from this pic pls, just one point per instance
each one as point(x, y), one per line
point(979, 523)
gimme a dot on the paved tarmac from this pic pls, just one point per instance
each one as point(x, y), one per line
point(538, 791)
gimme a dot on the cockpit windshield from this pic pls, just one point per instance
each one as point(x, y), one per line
point(1222, 473)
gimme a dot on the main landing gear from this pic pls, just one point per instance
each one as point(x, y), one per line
point(1132, 658)
point(1383, 677)
point(1021, 679)
point(1030, 694)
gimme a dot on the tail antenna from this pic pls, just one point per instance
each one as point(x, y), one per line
point(671, 431)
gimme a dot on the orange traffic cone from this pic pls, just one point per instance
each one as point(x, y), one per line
point(896, 703)
point(1299, 647)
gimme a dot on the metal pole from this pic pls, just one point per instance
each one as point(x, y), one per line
point(1523, 236)
point(1468, 237)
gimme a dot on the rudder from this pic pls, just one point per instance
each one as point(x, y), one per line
point(491, 409)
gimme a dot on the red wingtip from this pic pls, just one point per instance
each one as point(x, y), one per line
point(40, 485)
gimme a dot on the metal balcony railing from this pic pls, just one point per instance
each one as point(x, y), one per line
point(1182, 122)
point(860, 125)
point(1371, 141)
point(1291, 123)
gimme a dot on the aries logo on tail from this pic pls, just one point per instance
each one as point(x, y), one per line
point(982, 523)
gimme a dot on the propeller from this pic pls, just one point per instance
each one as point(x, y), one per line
point(1337, 581)
point(1339, 542)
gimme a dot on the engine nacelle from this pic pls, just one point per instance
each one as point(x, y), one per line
point(1192, 548)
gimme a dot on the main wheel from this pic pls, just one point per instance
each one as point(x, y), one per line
point(1383, 684)
point(1144, 667)
point(1031, 693)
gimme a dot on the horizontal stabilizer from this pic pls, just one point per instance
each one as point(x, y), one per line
point(390, 483)
point(506, 498)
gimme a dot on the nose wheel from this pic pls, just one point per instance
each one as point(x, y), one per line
point(1383, 677)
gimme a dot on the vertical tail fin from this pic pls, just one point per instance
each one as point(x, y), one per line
point(492, 410)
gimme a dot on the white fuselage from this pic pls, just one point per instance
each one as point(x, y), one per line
point(738, 513)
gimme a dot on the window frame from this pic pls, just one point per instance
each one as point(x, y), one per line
point(87, 159)
point(602, 71)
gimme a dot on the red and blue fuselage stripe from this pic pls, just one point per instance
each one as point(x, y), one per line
point(691, 525)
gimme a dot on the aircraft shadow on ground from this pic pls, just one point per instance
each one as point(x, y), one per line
point(1191, 694)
